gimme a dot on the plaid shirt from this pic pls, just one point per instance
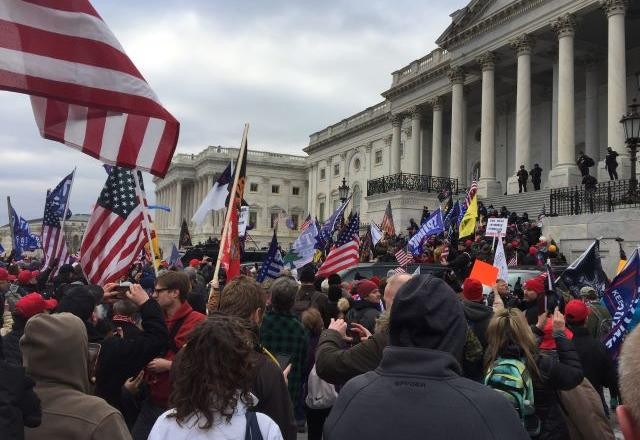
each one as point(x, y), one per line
point(282, 333)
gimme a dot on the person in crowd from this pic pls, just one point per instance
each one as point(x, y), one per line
point(125, 354)
point(461, 261)
point(629, 412)
point(81, 302)
point(523, 177)
point(54, 351)
point(477, 315)
point(180, 319)
point(584, 162)
point(611, 163)
point(211, 396)
point(283, 335)
point(510, 337)
point(307, 295)
point(366, 310)
point(26, 307)
point(245, 298)
point(502, 290)
point(536, 176)
point(482, 210)
point(533, 297)
point(418, 381)
point(19, 404)
point(596, 363)
point(335, 363)
point(198, 296)
point(599, 318)
point(334, 294)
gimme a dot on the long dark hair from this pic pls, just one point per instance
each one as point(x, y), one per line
point(214, 372)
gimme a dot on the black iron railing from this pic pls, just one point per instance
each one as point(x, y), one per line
point(411, 182)
point(604, 197)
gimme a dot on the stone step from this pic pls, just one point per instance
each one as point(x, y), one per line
point(531, 202)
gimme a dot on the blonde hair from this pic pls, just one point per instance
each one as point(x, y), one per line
point(628, 370)
point(312, 320)
point(509, 327)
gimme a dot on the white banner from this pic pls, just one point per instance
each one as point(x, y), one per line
point(496, 227)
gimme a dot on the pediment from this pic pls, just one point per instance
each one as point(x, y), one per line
point(476, 12)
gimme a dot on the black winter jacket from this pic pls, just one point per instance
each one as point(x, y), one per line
point(478, 316)
point(365, 313)
point(596, 363)
point(19, 404)
point(122, 358)
point(418, 393)
point(11, 346)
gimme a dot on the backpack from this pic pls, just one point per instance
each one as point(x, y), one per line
point(320, 394)
point(604, 323)
point(510, 378)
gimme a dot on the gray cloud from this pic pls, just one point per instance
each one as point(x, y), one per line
point(289, 68)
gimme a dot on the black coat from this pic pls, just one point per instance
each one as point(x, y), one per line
point(596, 363)
point(536, 174)
point(478, 316)
point(365, 313)
point(19, 404)
point(419, 393)
point(11, 346)
point(122, 358)
point(523, 176)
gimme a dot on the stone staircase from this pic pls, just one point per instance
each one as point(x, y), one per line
point(530, 202)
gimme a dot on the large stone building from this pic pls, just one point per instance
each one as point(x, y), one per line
point(511, 82)
point(276, 183)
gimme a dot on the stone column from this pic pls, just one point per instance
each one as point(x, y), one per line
point(554, 112)
point(170, 194)
point(160, 201)
point(396, 124)
point(209, 219)
point(565, 172)
point(616, 82)
point(487, 185)
point(456, 76)
point(523, 46)
point(592, 147)
point(436, 144)
point(179, 203)
point(413, 158)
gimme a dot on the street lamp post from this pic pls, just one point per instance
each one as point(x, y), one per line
point(343, 190)
point(631, 124)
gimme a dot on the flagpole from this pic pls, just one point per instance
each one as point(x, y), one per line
point(64, 214)
point(145, 217)
point(227, 217)
point(13, 232)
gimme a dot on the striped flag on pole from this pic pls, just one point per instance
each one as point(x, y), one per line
point(85, 91)
point(307, 222)
point(473, 189)
point(387, 221)
point(56, 208)
point(347, 251)
point(403, 257)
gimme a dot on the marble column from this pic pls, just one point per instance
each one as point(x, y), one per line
point(436, 143)
point(554, 111)
point(523, 46)
point(179, 203)
point(171, 196)
point(487, 185)
point(413, 158)
point(160, 212)
point(209, 219)
point(456, 76)
point(396, 124)
point(616, 74)
point(591, 136)
point(565, 172)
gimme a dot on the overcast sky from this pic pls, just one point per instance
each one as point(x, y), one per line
point(289, 68)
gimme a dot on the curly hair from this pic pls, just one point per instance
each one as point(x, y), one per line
point(214, 372)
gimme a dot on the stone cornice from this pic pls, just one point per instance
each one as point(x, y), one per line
point(458, 34)
point(419, 80)
point(364, 126)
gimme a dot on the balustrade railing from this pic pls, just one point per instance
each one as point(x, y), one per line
point(411, 182)
point(603, 197)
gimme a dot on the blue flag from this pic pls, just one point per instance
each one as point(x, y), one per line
point(451, 219)
point(326, 231)
point(434, 225)
point(1, 249)
point(586, 271)
point(174, 258)
point(621, 299)
point(24, 240)
point(272, 265)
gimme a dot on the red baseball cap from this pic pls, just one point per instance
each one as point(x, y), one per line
point(576, 311)
point(6, 276)
point(194, 262)
point(536, 284)
point(33, 303)
point(472, 290)
point(24, 277)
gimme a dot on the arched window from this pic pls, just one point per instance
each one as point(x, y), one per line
point(357, 196)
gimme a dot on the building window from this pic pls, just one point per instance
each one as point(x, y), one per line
point(253, 218)
point(378, 157)
point(294, 221)
point(323, 173)
point(275, 189)
point(295, 190)
point(321, 211)
point(253, 187)
point(274, 219)
point(336, 169)
point(356, 164)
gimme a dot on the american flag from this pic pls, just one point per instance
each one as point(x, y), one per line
point(272, 265)
point(387, 221)
point(85, 91)
point(403, 257)
point(473, 189)
point(115, 233)
point(54, 245)
point(513, 261)
point(346, 252)
point(444, 256)
point(399, 270)
point(306, 223)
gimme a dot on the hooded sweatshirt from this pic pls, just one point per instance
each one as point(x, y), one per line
point(55, 355)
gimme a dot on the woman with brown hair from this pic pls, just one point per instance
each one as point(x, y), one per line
point(510, 338)
point(210, 397)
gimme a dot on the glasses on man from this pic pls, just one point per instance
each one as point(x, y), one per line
point(157, 290)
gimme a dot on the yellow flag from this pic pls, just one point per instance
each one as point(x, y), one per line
point(621, 265)
point(468, 223)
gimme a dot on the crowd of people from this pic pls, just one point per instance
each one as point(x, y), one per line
point(177, 354)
